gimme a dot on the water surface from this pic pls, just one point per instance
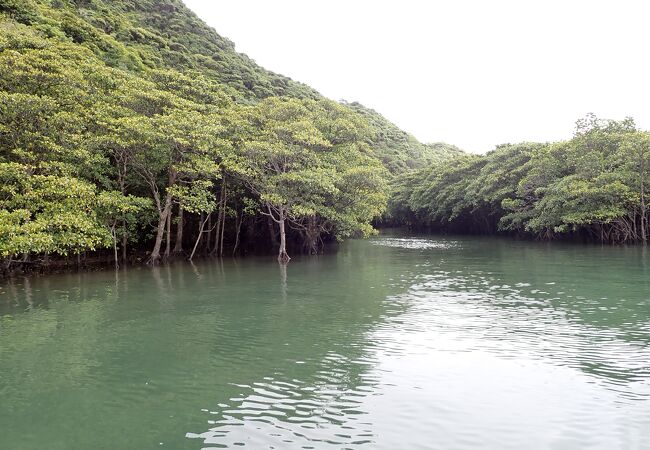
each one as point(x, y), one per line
point(396, 342)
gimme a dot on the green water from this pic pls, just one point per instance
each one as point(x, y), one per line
point(392, 343)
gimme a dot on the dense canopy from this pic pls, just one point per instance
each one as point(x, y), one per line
point(592, 187)
point(133, 130)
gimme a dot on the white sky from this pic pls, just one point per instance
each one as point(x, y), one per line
point(474, 73)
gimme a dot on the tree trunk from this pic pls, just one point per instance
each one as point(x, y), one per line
point(168, 244)
point(198, 238)
point(223, 227)
point(178, 245)
point(312, 233)
point(114, 235)
point(162, 221)
point(215, 249)
point(224, 189)
point(274, 238)
point(124, 241)
point(207, 237)
point(163, 213)
point(644, 236)
point(238, 221)
point(222, 211)
point(121, 173)
point(283, 257)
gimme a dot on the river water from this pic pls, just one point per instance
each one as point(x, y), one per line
point(391, 343)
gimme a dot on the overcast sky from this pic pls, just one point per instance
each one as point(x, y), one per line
point(474, 73)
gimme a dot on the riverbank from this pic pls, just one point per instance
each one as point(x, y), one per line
point(104, 260)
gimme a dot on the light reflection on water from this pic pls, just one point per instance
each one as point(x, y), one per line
point(415, 243)
point(394, 343)
point(470, 362)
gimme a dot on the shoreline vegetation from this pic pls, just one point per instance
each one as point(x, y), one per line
point(131, 128)
point(591, 188)
point(133, 132)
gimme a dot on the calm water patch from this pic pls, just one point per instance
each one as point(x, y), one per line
point(395, 342)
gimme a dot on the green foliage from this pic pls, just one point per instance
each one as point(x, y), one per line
point(149, 34)
point(50, 214)
point(593, 186)
point(309, 159)
point(114, 115)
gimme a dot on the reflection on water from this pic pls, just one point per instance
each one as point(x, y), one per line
point(324, 412)
point(397, 342)
point(415, 243)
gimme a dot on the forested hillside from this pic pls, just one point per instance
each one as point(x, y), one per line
point(592, 187)
point(398, 150)
point(137, 35)
point(130, 129)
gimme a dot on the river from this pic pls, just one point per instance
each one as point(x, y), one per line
point(396, 342)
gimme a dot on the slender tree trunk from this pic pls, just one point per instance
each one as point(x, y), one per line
point(207, 237)
point(163, 214)
point(223, 228)
point(124, 241)
point(217, 250)
point(162, 221)
point(311, 236)
point(198, 238)
point(238, 221)
point(168, 244)
point(217, 234)
point(178, 245)
point(121, 180)
point(274, 238)
point(602, 235)
point(283, 256)
point(114, 235)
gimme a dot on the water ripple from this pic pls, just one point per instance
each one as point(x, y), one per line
point(415, 343)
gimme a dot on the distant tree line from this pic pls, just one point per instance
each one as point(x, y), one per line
point(592, 187)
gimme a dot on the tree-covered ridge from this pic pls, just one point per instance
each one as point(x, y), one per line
point(593, 186)
point(398, 150)
point(141, 36)
point(133, 129)
point(96, 156)
point(138, 35)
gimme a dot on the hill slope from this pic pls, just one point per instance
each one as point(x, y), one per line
point(131, 123)
point(398, 150)
point(141, 34)
point(138, 35)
